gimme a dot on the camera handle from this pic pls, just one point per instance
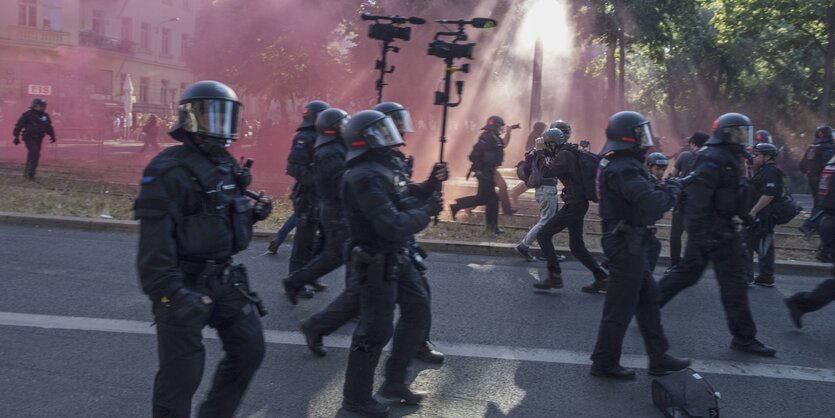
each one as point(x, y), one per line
point(381, 65)
point(442, 99)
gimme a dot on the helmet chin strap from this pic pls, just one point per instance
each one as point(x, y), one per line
point(214, 147)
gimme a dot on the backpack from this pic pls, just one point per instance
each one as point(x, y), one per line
point(785, 210)
point(528, 171)
point(588, 163)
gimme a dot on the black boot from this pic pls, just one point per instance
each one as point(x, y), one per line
point(617, 372)
point(795, 312)
point(664, 364)
point(400, 392)
point(598, 286)
point(313, 340)
point(752, 346)
point(370, 408)
point(427, 354)
point(293, 293)
point(554, 281)
point(273, 247)
point(453, 209)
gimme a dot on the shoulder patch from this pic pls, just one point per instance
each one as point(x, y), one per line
point(147, 180)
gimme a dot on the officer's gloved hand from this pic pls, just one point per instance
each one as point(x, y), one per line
point(263, 207)
point(673, 185)
point(186, 305)
point(747, 220)
point(434, 204)
point(52, 139)
point(16, 141)
point(440, 172)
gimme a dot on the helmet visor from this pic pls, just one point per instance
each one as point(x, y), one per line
point(741, 134)
point(402, 119)
point(643, 136)
point(212, 117)
point(382, 133)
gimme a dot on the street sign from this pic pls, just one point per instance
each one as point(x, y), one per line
point(39, 90)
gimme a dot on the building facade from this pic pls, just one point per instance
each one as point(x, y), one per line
point(77, 54)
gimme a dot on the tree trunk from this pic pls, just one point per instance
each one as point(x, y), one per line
point(611, 76)
point(826, 101)
point(622, 70)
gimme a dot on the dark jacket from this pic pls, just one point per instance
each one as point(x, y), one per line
point(180, 222)
point(328, 167)
point(382, 210)
point(488, 152)
point(566, 168)
point(300, 159)
point(34, 124)
point(813, 161)
point(628, 193)
point(717, 192)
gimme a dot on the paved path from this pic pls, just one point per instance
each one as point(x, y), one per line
point(75, 340)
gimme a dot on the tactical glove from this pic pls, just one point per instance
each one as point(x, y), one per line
point(186, 305)
point(16, 141)
point(434, 204)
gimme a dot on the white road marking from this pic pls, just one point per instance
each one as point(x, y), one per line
point(544, 355)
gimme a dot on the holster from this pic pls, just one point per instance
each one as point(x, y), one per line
point(240, 281)
point(417, 255)
point(372, 265)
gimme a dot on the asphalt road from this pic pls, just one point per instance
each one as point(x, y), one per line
point(76, 341)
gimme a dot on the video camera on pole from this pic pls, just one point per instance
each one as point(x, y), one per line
point(388, 32)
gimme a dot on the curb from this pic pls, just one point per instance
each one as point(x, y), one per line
point(454, 247)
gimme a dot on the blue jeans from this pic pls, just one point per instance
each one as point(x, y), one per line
point(289, 225)
point(546, 196)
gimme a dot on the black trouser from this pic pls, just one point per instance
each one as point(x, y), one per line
point(729, 267)
point(376, 328)
point(632, 292)
point(332, 255)
point(182, 356)
point(676, 231)
point(816, 299)
point(808, 223)
point(486, 196)
point(765, 252)
point(33, 146)
point(653, 251)
point(304, 240)
point(571, 216)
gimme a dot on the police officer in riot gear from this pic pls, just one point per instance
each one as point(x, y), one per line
point(33, 124)
point(194, 216)
point(630, 203)
point(328, 166)
point(403, 120)
point(383, 212)
point(683, 167)
point(487, 155)
point(562, 162)
point(802, 303)
point(816, 156)
point(715, 199)
point(305, 202)
point(767, 185)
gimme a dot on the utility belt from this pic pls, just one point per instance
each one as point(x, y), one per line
point(217, 276)
point(635, 236)
point(378, 267)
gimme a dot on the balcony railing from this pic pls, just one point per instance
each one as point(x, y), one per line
point(36, 35)
point(97, 40)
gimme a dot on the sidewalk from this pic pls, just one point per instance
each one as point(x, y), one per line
point(447, 246)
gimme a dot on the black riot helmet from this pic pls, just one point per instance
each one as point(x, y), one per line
point(369, 130)
point(398, 114)
point(627, 130)
point(823, 134)
point(37, 101)
point(657, 159)
point(330, 125)
point(563, 126)
point(494, 123)
point(764, 148)
point(211, 112)
point(311, 110)
point(763, 136)
point(732, 128)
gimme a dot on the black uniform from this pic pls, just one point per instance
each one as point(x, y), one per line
point(383, 216)
point(811, 165)
point(767, 181)
point(629, 205)
point(684, 165)
point(825, 292)
point(34, 125)
point(565, 166)
point(487, 155)
point(713, 199)
point(194, 218)
point(305, 200)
